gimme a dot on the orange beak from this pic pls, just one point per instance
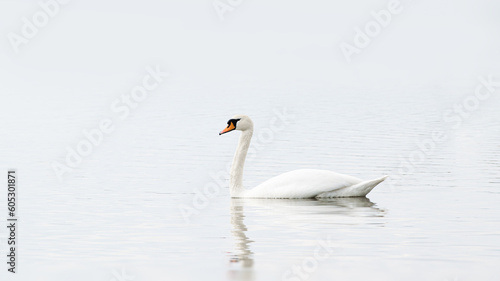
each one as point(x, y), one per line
point(229, 128)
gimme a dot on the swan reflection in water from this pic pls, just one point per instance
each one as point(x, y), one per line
point(294, 212)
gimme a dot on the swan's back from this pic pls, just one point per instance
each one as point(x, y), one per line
point(304, 183)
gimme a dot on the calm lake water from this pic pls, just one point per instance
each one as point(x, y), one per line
point(119, 214)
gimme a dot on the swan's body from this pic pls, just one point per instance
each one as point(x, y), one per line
point(305, 183)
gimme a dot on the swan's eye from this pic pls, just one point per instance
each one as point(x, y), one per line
point(232, 121)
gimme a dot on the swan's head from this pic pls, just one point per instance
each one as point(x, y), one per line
point(238, 122)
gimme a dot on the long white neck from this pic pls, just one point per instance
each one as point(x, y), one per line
point(236, 175)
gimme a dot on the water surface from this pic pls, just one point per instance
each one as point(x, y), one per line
point(120, 211)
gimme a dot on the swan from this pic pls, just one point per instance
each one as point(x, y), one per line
point(297, 184)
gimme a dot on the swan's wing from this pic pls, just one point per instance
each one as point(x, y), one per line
point(305, 183)
point(359, 189)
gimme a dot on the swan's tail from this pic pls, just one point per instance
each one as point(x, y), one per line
point(357, 190)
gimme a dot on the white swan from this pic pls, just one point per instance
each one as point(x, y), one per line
point(305, 183)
